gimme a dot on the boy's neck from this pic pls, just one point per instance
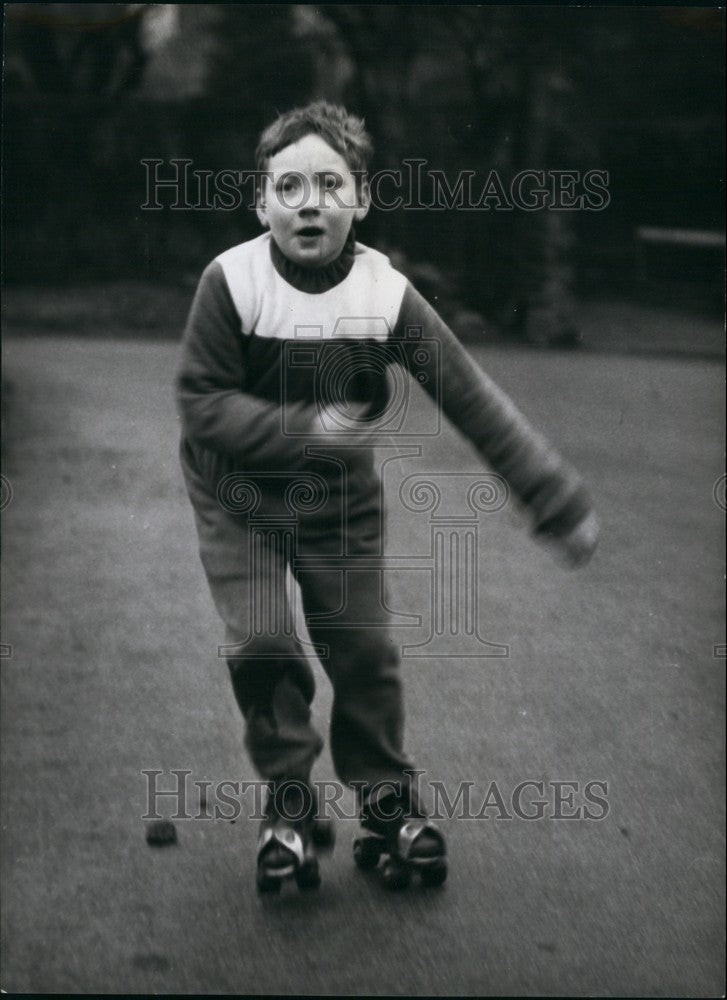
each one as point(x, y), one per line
point(315, 280)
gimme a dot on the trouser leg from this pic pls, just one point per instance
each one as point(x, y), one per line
point(271, 676)
point(362, 661)
point(274, 696)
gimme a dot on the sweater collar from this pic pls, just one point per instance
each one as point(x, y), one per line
point(315, 280)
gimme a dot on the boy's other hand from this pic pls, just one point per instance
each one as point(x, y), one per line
point(576, 548)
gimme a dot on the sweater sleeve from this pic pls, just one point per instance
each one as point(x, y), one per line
point(216, 413)
point(483, 413)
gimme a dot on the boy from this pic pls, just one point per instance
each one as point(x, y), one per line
point(252, 414)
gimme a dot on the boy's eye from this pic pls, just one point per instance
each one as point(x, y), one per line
point(331, 182)
point(288, 183)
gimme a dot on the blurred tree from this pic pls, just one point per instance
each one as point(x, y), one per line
point(638, 91)
point(260, 64)
point(506, 84)
point(91, 49)
point(519, 87)
point(548, 130)
point(382, 42)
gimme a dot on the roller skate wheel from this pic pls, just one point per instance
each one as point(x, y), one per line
point(323, 834)
point(366, 852)
point(308, 875)
point(396, 876)
point(267, 884)
point(435, 874)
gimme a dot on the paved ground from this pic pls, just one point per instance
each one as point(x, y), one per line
point(612, 676)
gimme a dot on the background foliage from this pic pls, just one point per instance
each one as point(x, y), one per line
point(91, 89)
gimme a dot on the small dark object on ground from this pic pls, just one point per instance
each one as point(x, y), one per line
point(161, 833)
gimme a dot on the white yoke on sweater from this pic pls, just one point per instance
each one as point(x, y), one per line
point(365, 304)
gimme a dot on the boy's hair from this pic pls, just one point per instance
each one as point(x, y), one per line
point(343, 132)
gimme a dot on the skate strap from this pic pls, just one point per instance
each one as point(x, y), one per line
point(411, 832)
point(283, 836)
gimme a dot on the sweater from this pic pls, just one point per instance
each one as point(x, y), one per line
point(267, 341)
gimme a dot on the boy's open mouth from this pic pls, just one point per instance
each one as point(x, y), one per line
point(310, 231)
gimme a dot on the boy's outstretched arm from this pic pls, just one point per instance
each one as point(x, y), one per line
point(535, 472)
point(216, 413)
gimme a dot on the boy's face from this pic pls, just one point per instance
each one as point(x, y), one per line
point(309, 199)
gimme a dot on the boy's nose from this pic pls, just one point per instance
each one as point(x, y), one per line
point(311, 203)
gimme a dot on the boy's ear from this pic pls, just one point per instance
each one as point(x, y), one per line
point(363, 197)
point(261, 210)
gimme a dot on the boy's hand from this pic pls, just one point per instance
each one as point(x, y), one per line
point(576, 548)
point(327, 420)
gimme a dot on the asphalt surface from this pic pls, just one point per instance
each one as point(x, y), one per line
point(614, 675)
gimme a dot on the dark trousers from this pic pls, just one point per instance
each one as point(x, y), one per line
point(247, 557)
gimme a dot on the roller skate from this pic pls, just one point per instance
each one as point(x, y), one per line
point(395, 831)
point(291, 838)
